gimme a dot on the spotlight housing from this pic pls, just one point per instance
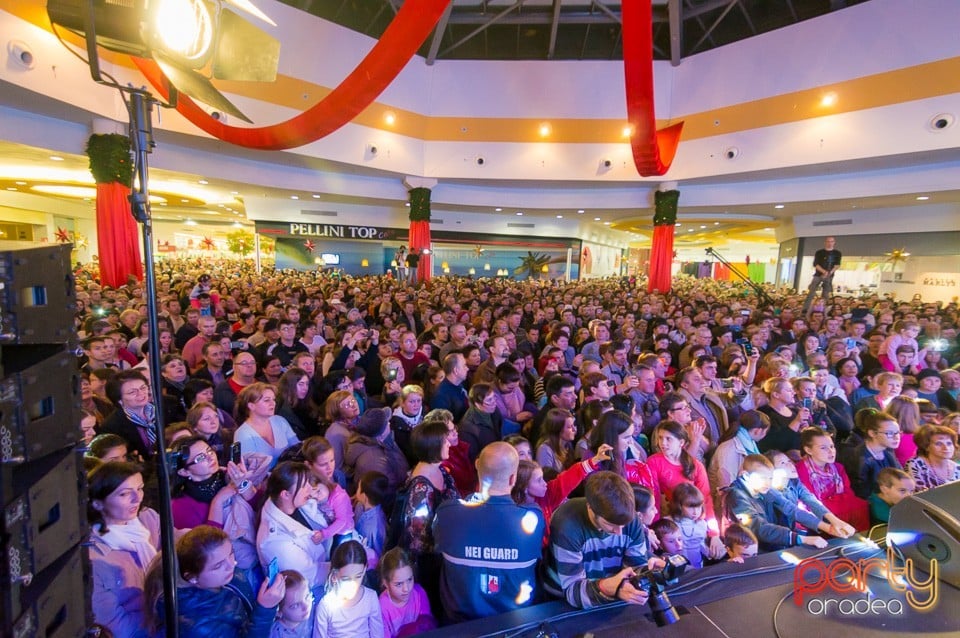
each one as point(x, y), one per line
point(191, 41)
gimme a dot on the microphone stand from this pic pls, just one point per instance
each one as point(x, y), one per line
point(761, 293)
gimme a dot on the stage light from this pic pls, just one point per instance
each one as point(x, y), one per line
point(191, 40)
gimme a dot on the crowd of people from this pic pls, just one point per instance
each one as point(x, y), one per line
point(365, 457)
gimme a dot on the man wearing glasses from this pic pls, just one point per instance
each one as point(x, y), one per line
point(134, 420)
point(244, 373)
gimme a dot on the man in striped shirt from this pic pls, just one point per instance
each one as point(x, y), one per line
point(595, 544)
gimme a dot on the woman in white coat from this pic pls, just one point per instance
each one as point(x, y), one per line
point(124, 540)
point(284, 534)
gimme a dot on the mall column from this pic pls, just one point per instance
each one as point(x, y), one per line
point(661, 256)
point(118, 245)
point(419, 238)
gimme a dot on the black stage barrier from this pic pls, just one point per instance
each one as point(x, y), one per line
point(753, 600)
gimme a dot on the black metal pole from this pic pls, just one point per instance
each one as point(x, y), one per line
point(762, 295)
point(141, 139)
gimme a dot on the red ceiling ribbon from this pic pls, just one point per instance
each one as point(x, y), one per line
point(408, 30)
point(653, 150)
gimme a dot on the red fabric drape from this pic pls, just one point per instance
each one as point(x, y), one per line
point(653, 150)
point(418, 240)
point(408, 30)
point(661, 258)
point(118, 238)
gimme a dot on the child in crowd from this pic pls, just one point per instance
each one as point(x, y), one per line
point(371, 522)
point(787, 482)
point(403, 603)
point(686, 510)
point(531, 486)
point(893, 486)
point(646, 507)
point(293, 615)
point(669, 537)
point(521, 445)
point(740, 542)
point(753, 503)
point(348, 609)
point(904, 334)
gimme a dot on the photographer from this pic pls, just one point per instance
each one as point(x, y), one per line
point(586, 534)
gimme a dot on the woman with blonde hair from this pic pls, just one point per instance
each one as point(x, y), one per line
point(261, 429)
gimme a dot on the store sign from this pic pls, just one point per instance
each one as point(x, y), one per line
point(939, 279)
point(336, 231)
point(328, 231)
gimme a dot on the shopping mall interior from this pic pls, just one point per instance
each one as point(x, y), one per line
point(830, 118)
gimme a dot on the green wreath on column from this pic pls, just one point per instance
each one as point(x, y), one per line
point(665, 207)
point(110, 159)
point(419, 204)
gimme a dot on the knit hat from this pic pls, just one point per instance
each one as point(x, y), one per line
point(927, 373)
point(373, 421)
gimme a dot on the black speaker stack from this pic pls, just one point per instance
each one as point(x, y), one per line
point(44, 572)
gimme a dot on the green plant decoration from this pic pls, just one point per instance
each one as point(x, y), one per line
point(110, 159)
point(419, 204)
point(665, 207)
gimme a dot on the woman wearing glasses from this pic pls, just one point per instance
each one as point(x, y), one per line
point(135, 417)
point(863, 462)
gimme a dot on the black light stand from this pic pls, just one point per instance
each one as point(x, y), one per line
point(140, 107)
point(761, 293)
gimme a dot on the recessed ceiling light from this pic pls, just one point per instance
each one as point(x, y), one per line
point(678, 224)
point(294, 197)
point(237, 225)
point(778, 206)
point(606, 223)
point(11, 188)
point(544, 129)
point(716, 223)
point(407, 204)
point(559, 216)
point(689, 230)
point(184, 201)
point(390, 118)
point(920, 198)
point(702, 226)
point(315, 196)
point(580, 212)
point(56, 158)
point(234, 192)
point(596, 219)
point(829, 99)
point(20, 183)
point(190, 222)
point(768, 228)
point(498, 209)
point(627, 131)
point(519, 213)
point(202, 182)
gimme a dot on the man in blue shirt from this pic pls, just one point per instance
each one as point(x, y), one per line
point(489, 544)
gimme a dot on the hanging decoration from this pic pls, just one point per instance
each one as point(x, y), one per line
point(664, 220)
point(653, 150)
point(117, 234)
point(80, 240)
point(309, 245)
point(207, 244)
point(897, 256)
point(63, 235)
point(419, 238)
point(409, 29)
